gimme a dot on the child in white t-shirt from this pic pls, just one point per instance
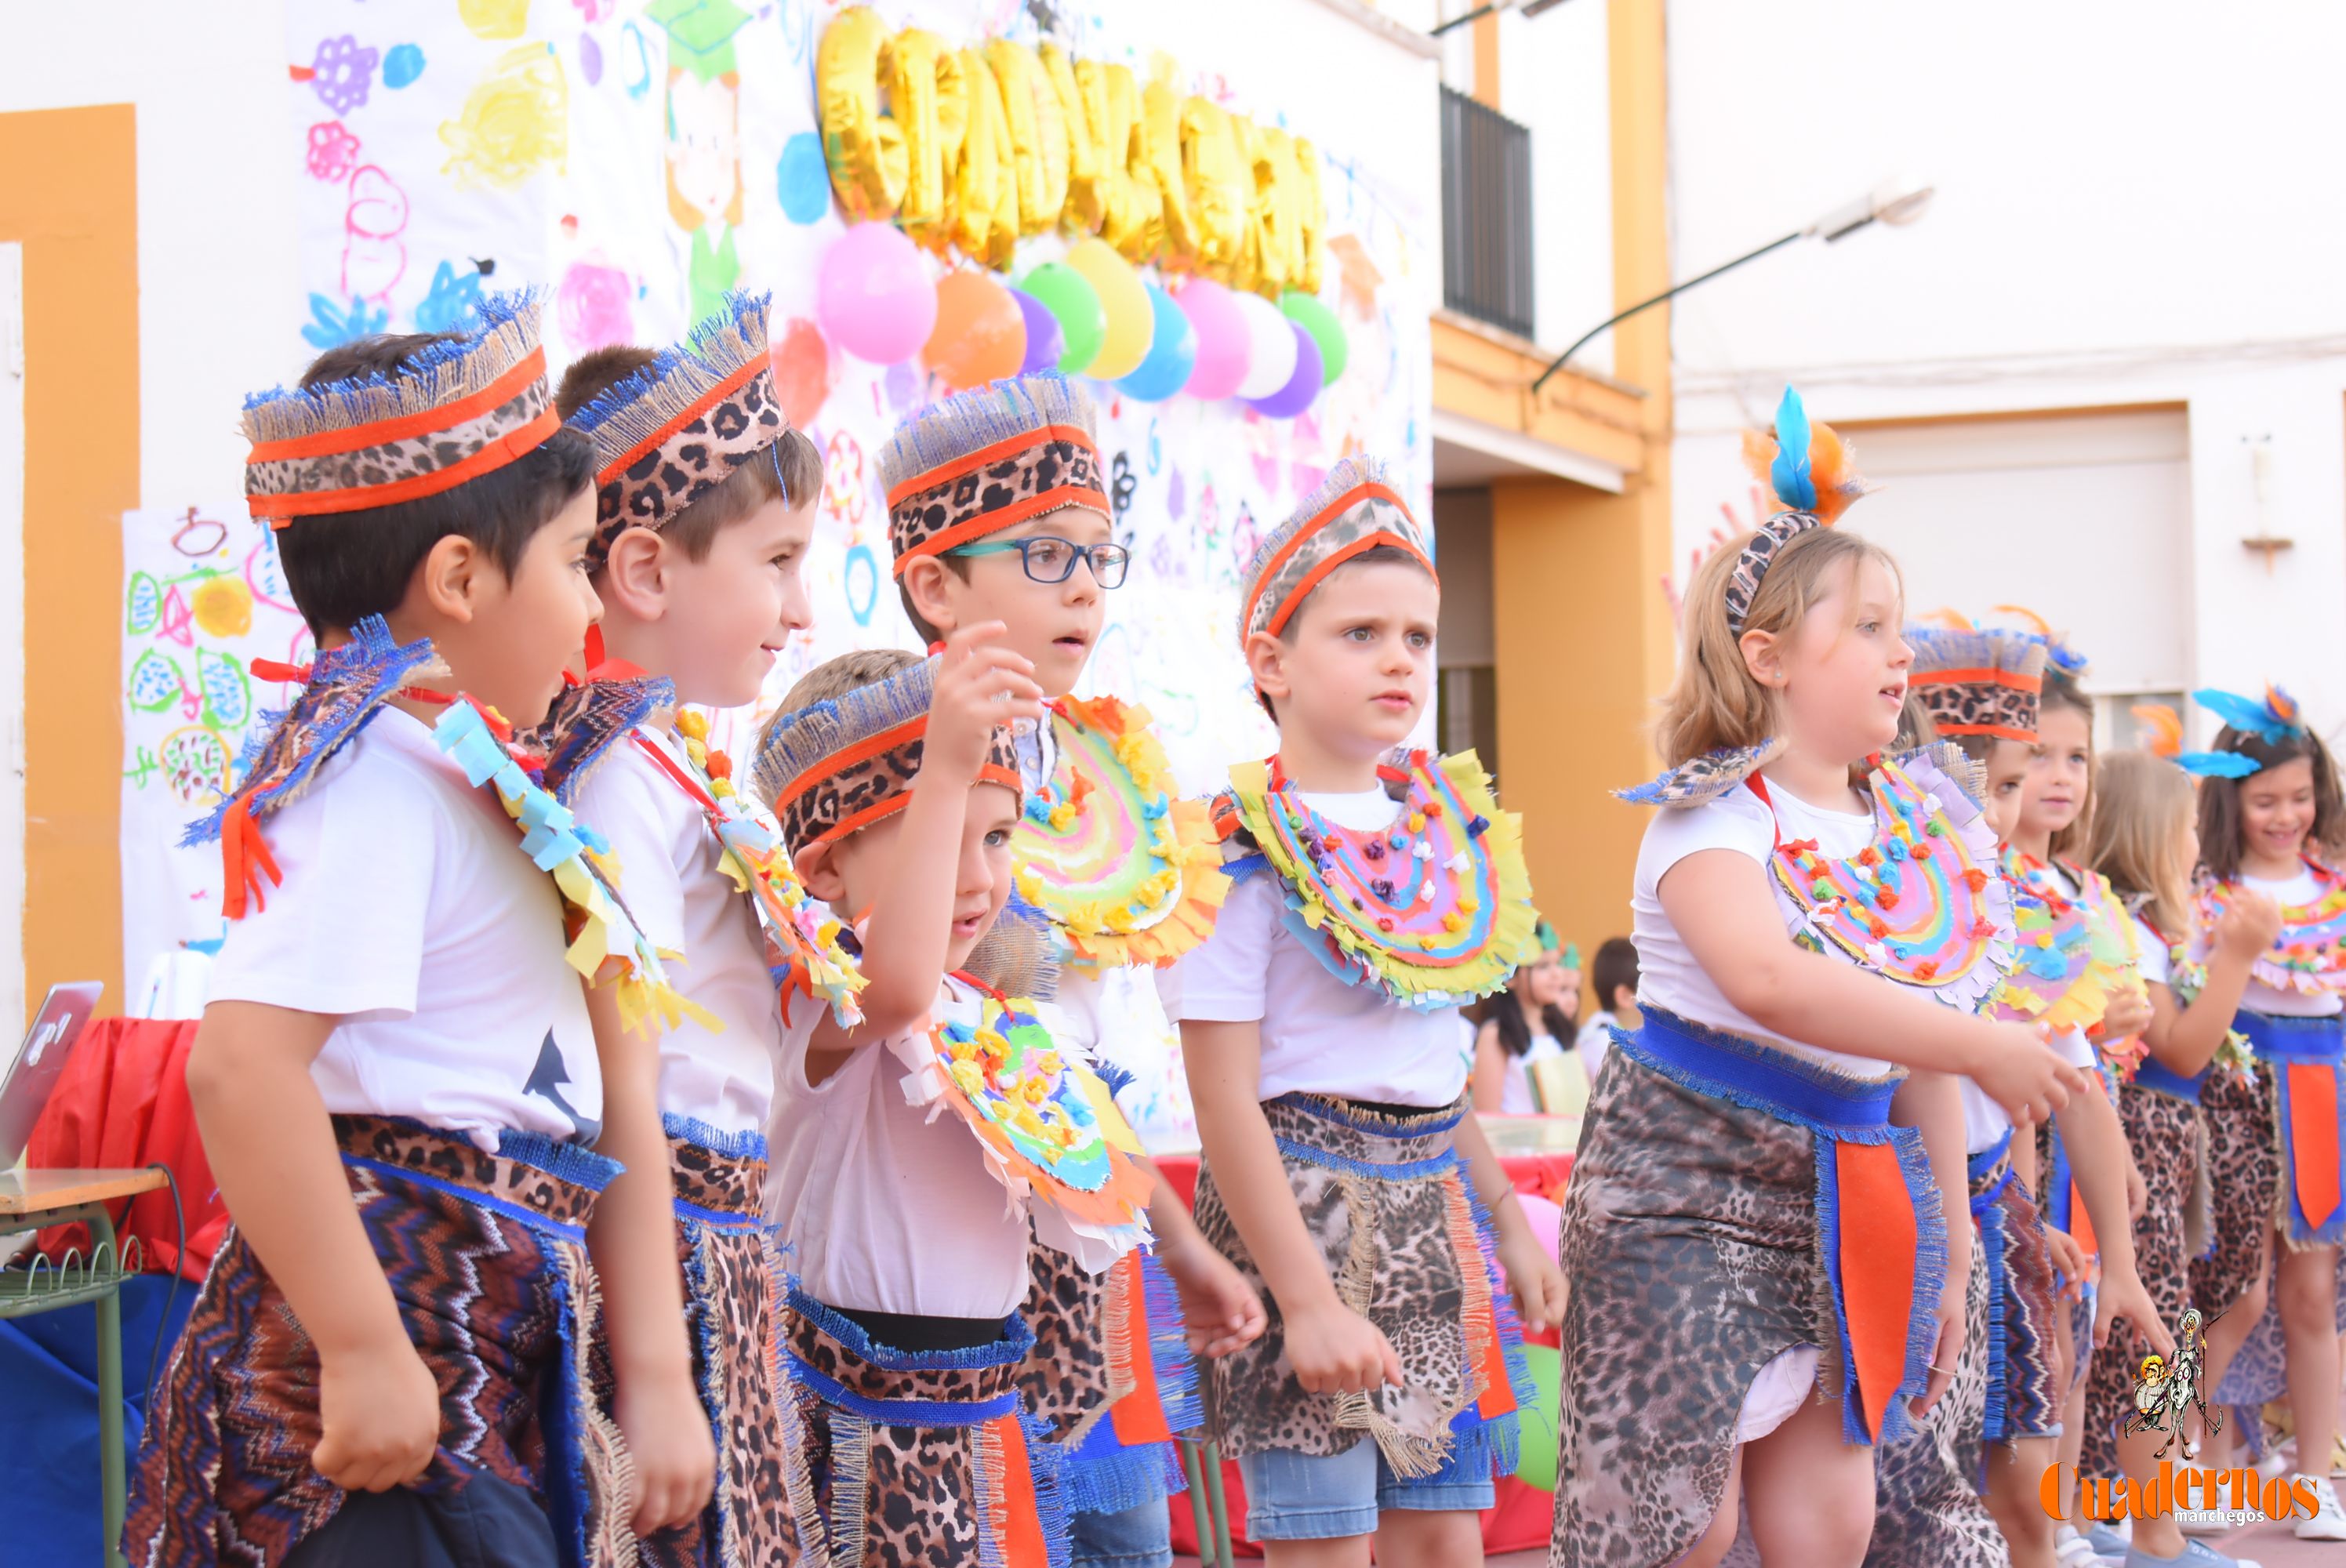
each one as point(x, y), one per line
point(705, 502)
point(397, 1077)
point(908, 1148)
point(1344, 1170)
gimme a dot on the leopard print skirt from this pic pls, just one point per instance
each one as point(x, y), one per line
point(727, 1254)
point(1388, 1202)
point(2024, 1396)
point(1111, 1376)
point(2163, 1130)
point(900, 1459)
point(1926, 1490)
point(2244, 1176)
point(1699, 1247)
point(485, 1256)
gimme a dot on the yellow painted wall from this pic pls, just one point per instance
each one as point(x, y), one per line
point(1583, 638)
point(70, 199)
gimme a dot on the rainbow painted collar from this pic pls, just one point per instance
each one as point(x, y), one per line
point(1046, 1122)
point(803, 952)
point(1434, 909)
point(2309, 957)
point(1921, 904)
point(2075, 953)
point(607, 946)
point(1126, 873)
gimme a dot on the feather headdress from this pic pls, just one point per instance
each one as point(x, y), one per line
point(2058, 654)
point(674, 431)
point(988, 459)
point(453, 411)
point(1978, 682)
point(1355, 509)
point(1019, 953)
point(1811, 471)
point(2162, 736)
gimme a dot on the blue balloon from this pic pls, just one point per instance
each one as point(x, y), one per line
point(803, 179)
point(1046, 341)
point(1172, 352)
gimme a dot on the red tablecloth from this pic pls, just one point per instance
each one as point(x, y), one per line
point(1521, 1519)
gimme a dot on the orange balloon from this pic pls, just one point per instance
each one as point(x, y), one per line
point(981, 333)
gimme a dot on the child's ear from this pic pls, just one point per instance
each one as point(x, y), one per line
point(818, 869)
point(449, 579)
point(1763, 656)
point(633, 580)
point(1266, 658)
point(925, 583)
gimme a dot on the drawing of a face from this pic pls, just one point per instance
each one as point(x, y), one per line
point(704, 148)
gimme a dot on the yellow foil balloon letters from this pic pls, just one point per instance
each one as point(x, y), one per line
point(865, 148)
point(1135, 223)
point(1020, 75)
point(918, 59)
point(1087, 194)
point(1311, 216)
point(1217, 196)
point(1160, 114)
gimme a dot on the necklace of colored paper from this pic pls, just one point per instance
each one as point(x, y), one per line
point(2309, 954)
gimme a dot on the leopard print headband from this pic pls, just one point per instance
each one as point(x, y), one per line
point(1978, 682)
point(834, 766)
point(994, 488)
point(455, 411)
point(1752, 565)
point(1353, 510)
point(677, 429)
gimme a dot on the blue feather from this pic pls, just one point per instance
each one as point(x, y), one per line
point(2217, 764)
point(1789, 473)
point(2251, 716)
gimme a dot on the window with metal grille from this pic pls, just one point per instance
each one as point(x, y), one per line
point(1487, 215)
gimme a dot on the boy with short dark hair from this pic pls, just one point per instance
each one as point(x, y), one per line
point(705, 501)
point(1377, 890)
point(397, 1077)
point(1128, 878)
point(913, 1151)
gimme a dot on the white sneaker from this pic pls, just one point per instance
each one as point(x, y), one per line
point(2328, 1521)
point(2073, 1550)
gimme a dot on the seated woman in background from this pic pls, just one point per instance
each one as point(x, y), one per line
point(1614, 981)
point(1529, 1022)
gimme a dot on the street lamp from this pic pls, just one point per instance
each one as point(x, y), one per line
point(1530, 8)
point(1897, 201)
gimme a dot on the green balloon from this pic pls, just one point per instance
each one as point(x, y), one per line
point(1307, 312)
point(1069, 296)
point(1536, 1428)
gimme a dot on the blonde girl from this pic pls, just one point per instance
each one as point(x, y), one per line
point(1757, 1210)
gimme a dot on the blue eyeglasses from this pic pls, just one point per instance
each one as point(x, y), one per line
point(1048, 559)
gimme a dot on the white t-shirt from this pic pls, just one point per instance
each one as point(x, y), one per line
point(1983, 1119)
point(1515, 1096)
point(1320, 1035)
point(1668, 976)
point(2153, 961)
point(670, 877)
point(889, 1212)
point(409, 913)
point(2301, 889)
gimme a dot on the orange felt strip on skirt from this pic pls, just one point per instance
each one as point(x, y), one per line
point(1878, 1237)
point(2081, 1224)
point(1139, 1416)
point(2313, 1138)
point(1498, 1394)
point(1022, 1530)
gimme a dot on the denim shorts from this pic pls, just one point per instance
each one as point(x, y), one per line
point(1138, 1537)
point(1296, 1496)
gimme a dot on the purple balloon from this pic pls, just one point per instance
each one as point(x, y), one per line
point(1302, 387)
point(1046, 341)
point(1222, 343)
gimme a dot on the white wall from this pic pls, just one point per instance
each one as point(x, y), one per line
point(216, 261)
point(1554, 78)
point(2124, 216)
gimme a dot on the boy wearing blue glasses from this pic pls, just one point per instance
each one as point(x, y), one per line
point(997, 511)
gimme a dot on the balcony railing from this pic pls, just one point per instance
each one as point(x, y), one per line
point(1487, 215)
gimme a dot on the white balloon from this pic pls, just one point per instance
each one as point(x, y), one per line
point(1270, 348)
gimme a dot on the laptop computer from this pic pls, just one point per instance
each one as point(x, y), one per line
point(40, 1062)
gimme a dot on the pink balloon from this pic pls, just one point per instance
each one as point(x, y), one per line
point(873, 295)
point(1222, 341)
point(1547, 1221)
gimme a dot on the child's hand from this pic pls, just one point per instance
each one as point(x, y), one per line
point(380, 1411)
point(2250, 926)
point(1949, 1349)
point(1532, 1276)
point(1218, 1308)
point(2122, 1296)
point(2125, 1015)
point(2022, 1074)
point(674, 1456)
point(982, 683)
point(1333, 1350)
point(2070, 1260)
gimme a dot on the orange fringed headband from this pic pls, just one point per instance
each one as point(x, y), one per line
point(1354, 510)
point(455, 411)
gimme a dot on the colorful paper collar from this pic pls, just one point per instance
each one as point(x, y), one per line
point(1126, 873)
point(1922, 904)
point(1434, 909)
point(456, 412)
point(2309, 957)
point(1355, 509)
point(2073, 953)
